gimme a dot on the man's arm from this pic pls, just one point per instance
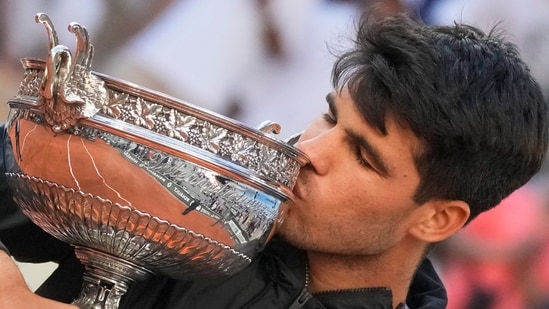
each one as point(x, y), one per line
point(14, 292)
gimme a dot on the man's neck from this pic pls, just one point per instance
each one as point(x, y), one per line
point(393, 269)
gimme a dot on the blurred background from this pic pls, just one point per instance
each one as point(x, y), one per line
point(256, 60)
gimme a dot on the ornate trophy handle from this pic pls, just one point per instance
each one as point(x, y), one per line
point(50, 29)
point(69, 91)
point(268, 126)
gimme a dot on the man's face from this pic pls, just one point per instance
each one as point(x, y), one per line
point(356, 196)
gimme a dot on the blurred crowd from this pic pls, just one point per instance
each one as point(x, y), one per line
point(256, 60)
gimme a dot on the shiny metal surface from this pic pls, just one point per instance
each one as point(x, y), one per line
point(140, 182)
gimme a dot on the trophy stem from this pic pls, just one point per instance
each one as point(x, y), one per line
point(106, 278)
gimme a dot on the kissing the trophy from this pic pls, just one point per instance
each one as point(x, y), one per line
point(146, 201)
point(137, 181)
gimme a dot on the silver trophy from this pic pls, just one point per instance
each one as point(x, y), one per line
point(137, 181)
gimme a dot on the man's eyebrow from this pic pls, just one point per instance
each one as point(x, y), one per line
point(374, 156)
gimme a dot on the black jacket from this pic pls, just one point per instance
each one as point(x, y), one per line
point(276, 279)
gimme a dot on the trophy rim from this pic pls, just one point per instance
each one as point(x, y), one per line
point(277, 177)
point(174, 103)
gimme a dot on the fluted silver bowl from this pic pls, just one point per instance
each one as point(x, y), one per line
point(140, 182)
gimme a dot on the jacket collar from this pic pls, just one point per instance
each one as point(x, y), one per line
point(426, 289)
point(426, 292)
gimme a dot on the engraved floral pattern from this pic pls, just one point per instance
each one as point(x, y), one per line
point(179, 125)
point(195, 133)
point(212, 137)
point(270, 163)
point(144, 113)
point(243, 152)
point(31, 82)
point(114, 107)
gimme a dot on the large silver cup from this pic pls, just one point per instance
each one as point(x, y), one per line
point(139, 182)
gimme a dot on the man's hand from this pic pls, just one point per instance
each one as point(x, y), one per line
point(14, 292)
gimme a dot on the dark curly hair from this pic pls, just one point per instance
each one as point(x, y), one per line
point(467, 96)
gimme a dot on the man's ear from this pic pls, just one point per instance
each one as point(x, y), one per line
point(438, 220)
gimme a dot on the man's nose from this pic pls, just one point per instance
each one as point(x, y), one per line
point(320, 148)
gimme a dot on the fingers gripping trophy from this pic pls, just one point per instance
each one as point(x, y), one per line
point(137, 181)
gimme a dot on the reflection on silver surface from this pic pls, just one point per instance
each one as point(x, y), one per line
point(132, 235)
point(137, 181)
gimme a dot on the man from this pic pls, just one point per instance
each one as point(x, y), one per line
point(426, 128)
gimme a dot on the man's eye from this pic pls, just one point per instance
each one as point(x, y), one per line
point(329, 119)
point(355, 148)
point(361, 160)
